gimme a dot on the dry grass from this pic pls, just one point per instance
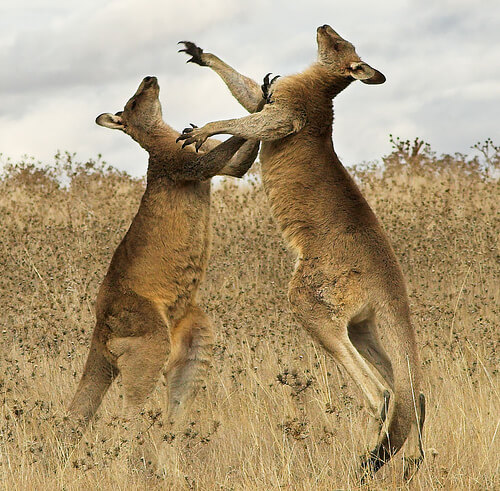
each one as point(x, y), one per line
point(275, 412)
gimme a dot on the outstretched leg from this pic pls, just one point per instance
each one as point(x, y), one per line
point(338, 345)
point(191, 347)
point(332, 332)
point(98, 375)
point(408, 409)
point(326, 314)
point(414, 454)
point(139, 360)
point(363, 335)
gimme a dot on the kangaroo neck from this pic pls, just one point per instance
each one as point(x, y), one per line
point(164, 152)
point(325, 83)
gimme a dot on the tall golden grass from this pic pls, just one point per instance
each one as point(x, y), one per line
point(275, 412)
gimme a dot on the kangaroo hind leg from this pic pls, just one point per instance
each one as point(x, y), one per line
point(333, 333)
point(363, 335)
point(98, 375)
point(336, 341)
point(140, 360)
point(191, 347)
point(414, 454)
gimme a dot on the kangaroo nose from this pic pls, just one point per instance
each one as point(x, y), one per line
point(148, 81)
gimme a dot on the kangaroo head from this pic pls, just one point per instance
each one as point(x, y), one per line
point(141, 115)
point(340, 58)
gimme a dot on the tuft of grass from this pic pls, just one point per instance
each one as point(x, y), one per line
point(275, 411)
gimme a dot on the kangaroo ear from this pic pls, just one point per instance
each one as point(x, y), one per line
point(364, 72)
point(113, 121)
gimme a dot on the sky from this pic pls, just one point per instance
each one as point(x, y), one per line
point(64, 63)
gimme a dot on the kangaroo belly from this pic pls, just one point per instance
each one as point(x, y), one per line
point(300, 193)
point(165, 252)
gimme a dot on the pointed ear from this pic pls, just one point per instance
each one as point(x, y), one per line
point(364, 72)
point(108, 120)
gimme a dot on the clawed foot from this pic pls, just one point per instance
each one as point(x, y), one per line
point(194, 51)
point(266, 87)
point(375, 459)
point(410, 466)
point(193, 135)
point(413, 462)
point(369, 465)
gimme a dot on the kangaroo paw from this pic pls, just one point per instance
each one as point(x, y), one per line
point(194, 51)
point(266, 87)
point(193, 135)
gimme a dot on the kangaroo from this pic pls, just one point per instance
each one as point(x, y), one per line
point(146, 306)
point(347, 289)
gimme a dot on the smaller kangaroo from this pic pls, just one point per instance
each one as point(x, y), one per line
point(146, 306)
point(348, 290)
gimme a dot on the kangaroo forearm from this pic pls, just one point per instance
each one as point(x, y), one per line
point(210, 144)
point(243, 160)
point(245, 90)
point(211, 163)
point(253, 127)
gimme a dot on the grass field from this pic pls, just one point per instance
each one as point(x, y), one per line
point(275, 412)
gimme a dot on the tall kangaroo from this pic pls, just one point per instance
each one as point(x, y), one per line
point(146, 306)
point(348, 289)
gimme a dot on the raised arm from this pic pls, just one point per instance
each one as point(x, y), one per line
point(242, 160)
point(275, 121)
point(199, 167)
point(245, 90)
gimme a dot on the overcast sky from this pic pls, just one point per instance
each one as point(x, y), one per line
point(64, 62)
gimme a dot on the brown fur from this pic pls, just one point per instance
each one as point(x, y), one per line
point(146, 305)
point(347, 290)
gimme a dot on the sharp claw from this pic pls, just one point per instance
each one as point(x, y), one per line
point(182, 50)
point(178, 139)
point(188, 142)
point(193, 125)
point(198, 145)
point(275, 78)
point(186, 130)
